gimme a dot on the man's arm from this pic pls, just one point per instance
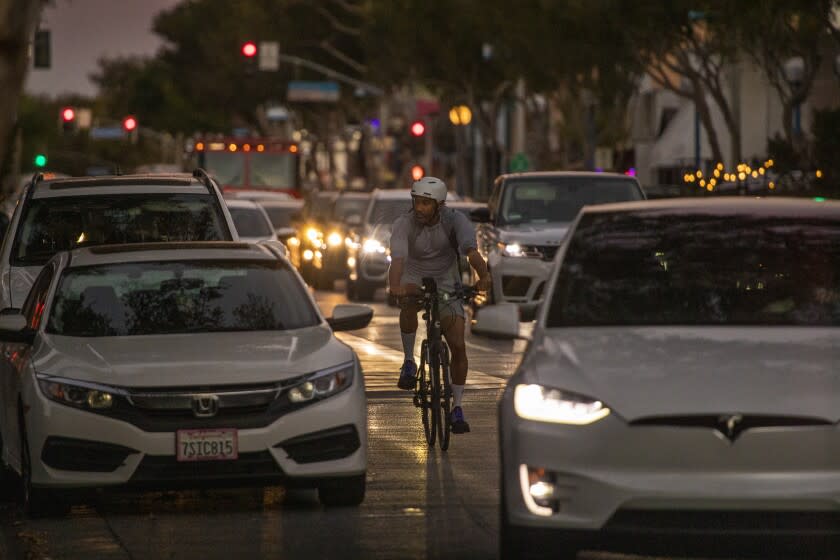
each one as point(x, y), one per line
point(395, 277)
point(480, 266)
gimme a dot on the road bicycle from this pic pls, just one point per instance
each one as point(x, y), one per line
point(432, 391)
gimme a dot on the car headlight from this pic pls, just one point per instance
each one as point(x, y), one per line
point(322, 384)
point(373, 246)
point(512, 249)
point(544, 404)
point(335, 239)
point(314, 234)
point(350, 243)
point(78, 394)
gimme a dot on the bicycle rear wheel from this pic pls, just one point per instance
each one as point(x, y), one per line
point(445, 423)
point(425, 395)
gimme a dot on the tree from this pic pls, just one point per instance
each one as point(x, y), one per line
point(687, 48)
point(772, 33)
point(17, 24)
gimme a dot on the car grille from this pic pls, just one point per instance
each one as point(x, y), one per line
point(516, 286)
point(730, 426)
point(546, 252)
point(169, 409)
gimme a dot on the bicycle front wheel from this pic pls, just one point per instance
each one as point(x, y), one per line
point(425, 395)
point(445, 420)
point(437, 387)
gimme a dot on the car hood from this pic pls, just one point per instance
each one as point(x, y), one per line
point(530, 234)
point(189, 359)
point(643, 372)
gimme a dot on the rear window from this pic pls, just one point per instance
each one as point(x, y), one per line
point(49, 225)
point(684, 269)
point(179, 297)
point(250, 222)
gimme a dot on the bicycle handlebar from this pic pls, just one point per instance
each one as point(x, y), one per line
point(465, 293)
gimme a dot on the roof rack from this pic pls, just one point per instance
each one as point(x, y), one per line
point(202, 175)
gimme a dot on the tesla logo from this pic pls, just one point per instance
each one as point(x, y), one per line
point(730, 426)
point(205, 406)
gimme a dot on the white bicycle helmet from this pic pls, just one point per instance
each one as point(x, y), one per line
point(429, 187)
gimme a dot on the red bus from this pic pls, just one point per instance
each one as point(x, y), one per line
point(251, 163)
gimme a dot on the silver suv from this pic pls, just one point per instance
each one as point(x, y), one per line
point(62, 214)
point(526, 219)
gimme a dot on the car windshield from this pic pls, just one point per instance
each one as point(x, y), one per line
point(250, 222)
point(319, 207)
point(226, 167)
point(275, 170)
point(179, 297)
point(559, 199)
point(384, 212)
point(683, 269)
point(281, 216)
point(53, 224)
point(346, 207)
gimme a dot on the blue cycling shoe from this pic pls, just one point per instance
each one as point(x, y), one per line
point(459, 423)
point(408, 376)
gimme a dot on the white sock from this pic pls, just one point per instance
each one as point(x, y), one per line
point(408, 344)
point(457, 394)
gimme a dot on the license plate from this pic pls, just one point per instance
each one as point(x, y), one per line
point(207, 445)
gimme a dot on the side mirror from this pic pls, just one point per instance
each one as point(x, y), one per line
point(480, 215)
point(349, 317)
point(353, 220)
point(13, 327)
point(497, 321)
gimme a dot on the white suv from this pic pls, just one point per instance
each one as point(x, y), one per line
point(63, 214)
point(526, 219)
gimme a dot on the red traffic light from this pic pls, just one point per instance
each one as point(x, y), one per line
point(417, 172)
point(249, 49)
point(418, 128)
point(129, 123)
point(68, 114)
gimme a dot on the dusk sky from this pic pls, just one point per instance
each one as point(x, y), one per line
point(84, 31)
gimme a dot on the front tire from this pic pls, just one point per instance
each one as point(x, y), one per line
point(343, 492)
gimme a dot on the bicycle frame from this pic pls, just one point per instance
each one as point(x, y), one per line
point(433, 394)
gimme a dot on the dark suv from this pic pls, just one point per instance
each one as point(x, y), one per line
point(61, 214)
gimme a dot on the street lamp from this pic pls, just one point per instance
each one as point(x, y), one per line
point(794, 70)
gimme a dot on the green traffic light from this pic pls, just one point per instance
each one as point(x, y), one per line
point(40, 160)
point(819, 199)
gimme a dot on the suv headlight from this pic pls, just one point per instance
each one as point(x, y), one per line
point(512, 249)
point(544, 404)
point(78, 394)
point(323, 384)
point(373, 246)
point(334, 239)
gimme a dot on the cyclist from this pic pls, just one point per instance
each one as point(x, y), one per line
point(427, 242)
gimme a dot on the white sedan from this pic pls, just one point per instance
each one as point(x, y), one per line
point(682, 381)
point(179, 364)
